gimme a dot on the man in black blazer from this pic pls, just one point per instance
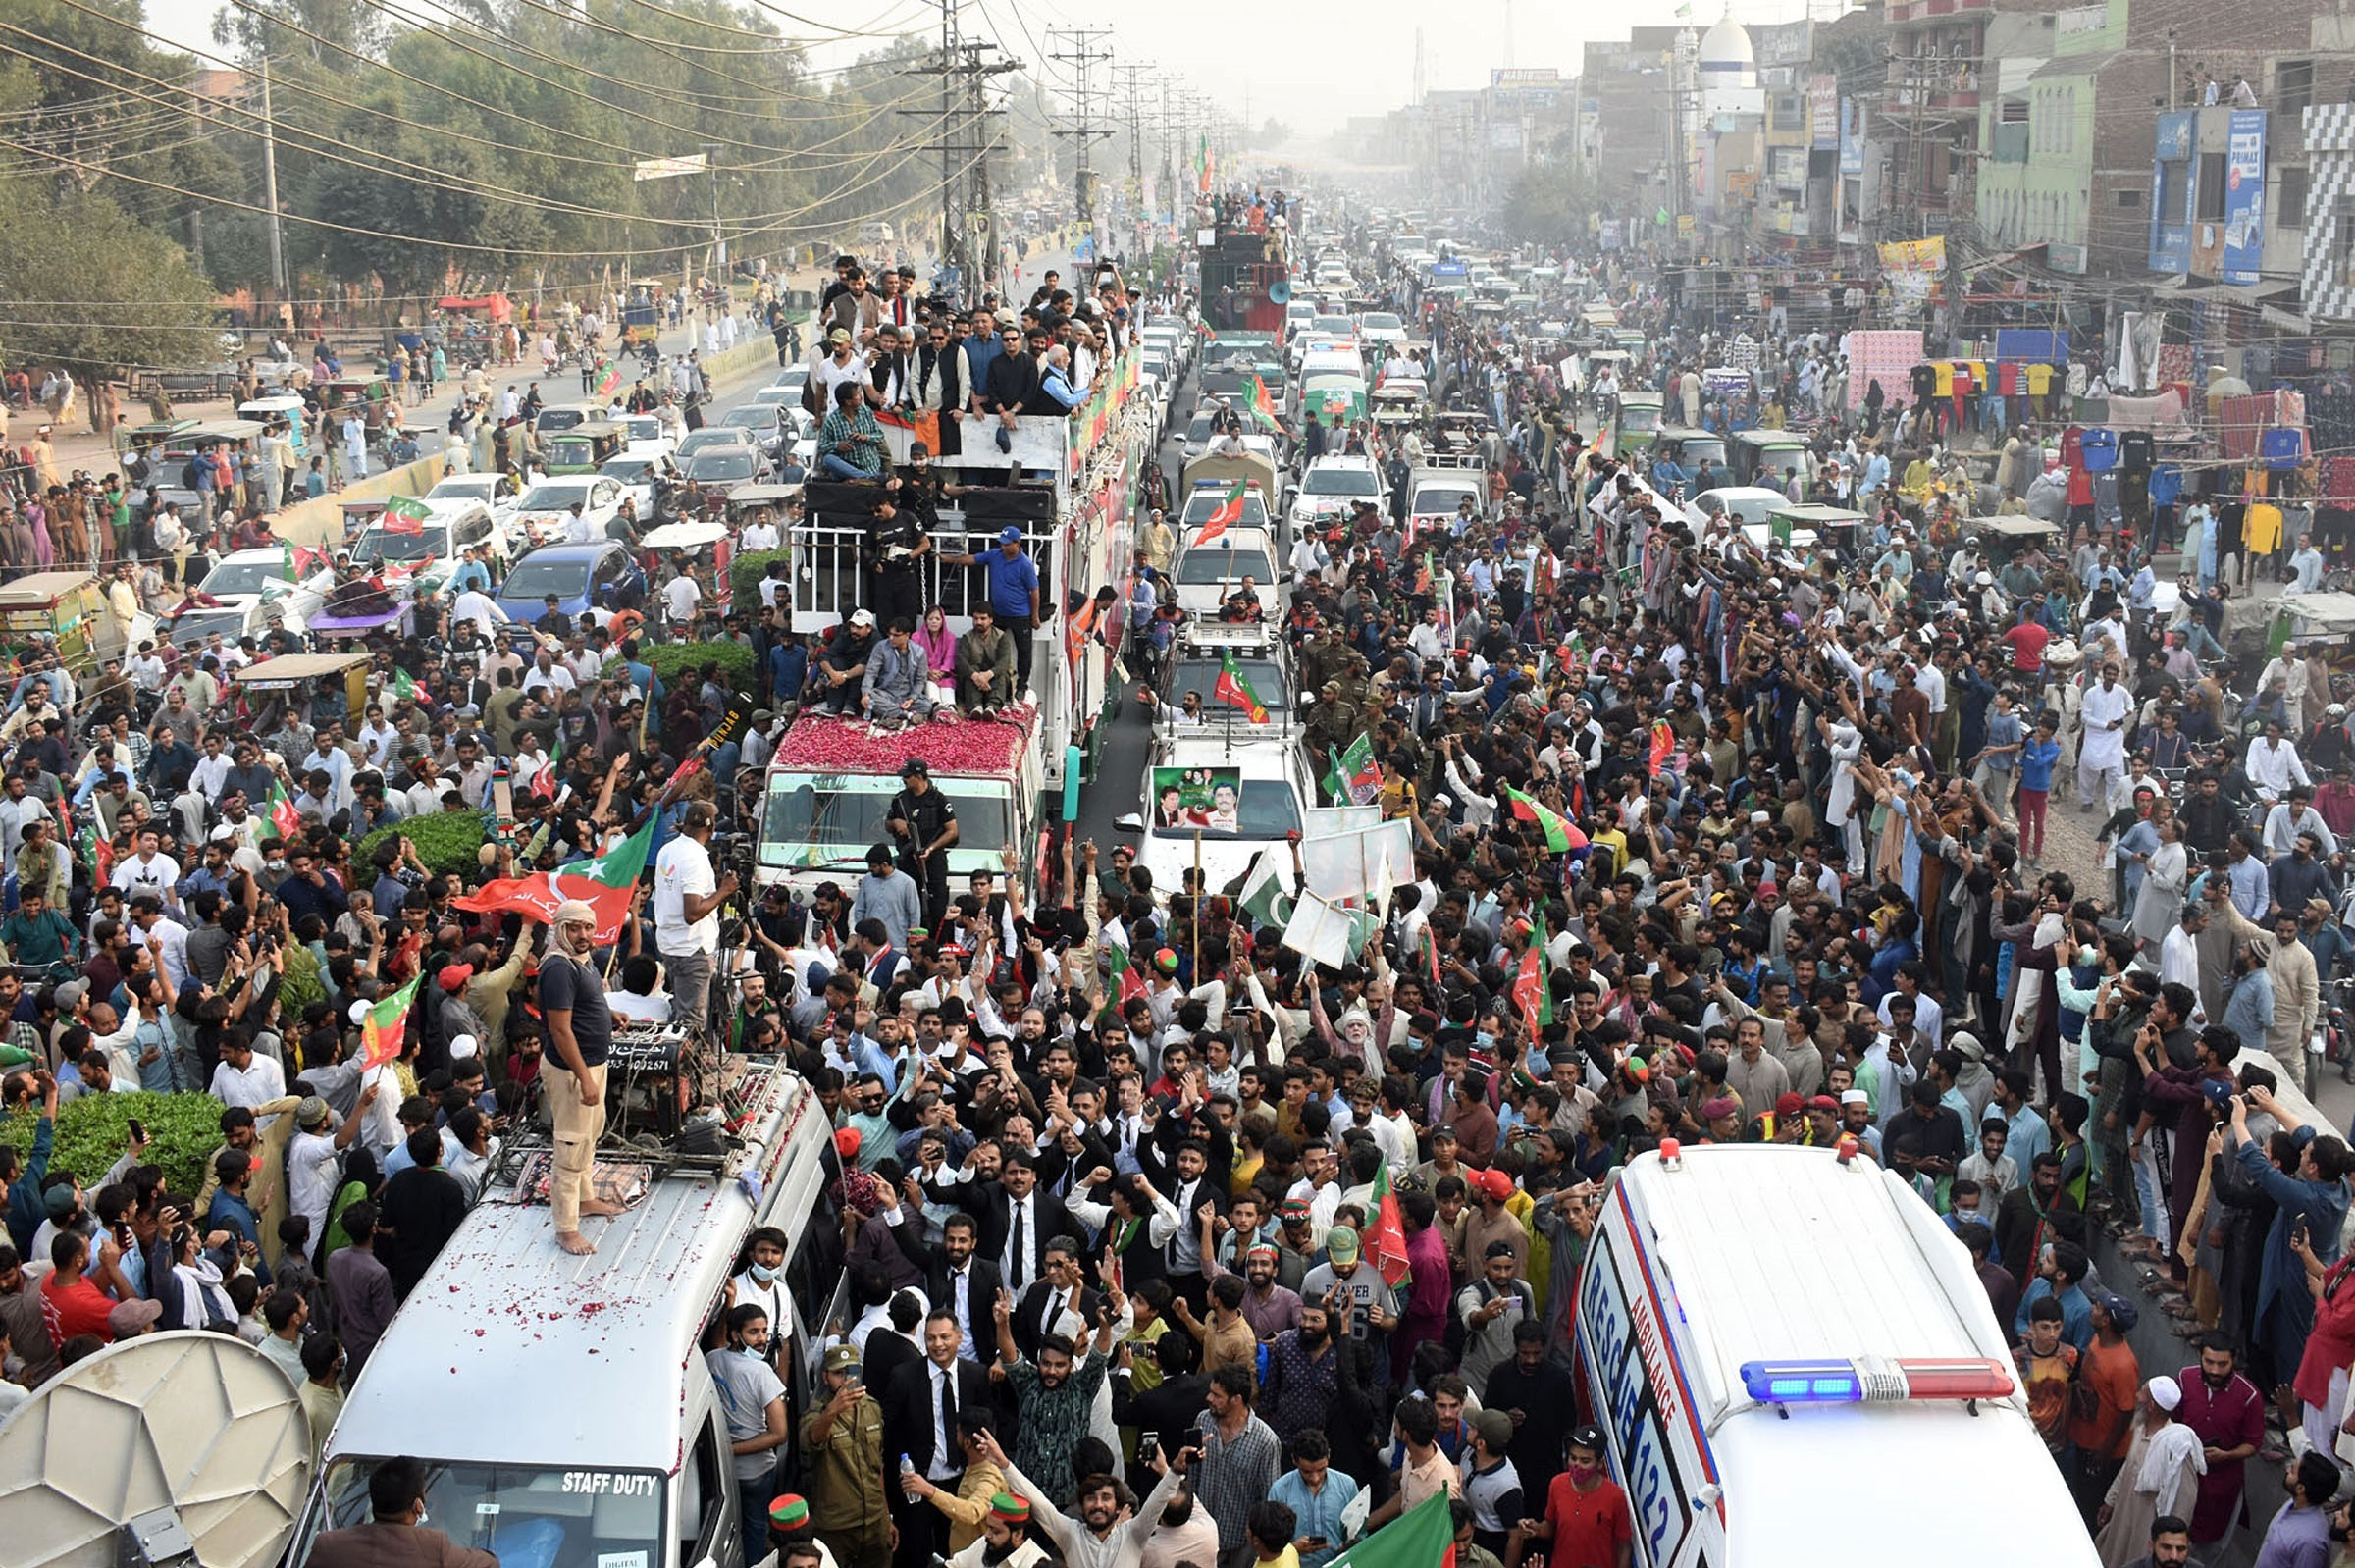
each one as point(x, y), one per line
point(958, 1279)
point(1060, 1288)
point(888, 1351)
point(920, 1420)
point(1187, 1177)
point(1018, 1219)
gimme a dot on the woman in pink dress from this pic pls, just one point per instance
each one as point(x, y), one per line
point(940, 652)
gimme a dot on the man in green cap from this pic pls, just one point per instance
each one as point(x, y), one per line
point(842, 1444)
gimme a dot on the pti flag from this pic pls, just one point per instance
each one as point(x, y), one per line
point(1386, 1232)
point(1231, 510)
point(405, 516)
point(384, 1024)
point(1562, 835)
point(1232, 689)
point(1663, 743)
point(1262, 410)
point(1355, 775)
point(605, 885)
point(609, 379)
point(283, 815)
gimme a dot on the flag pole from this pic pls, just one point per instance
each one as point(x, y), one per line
point(1199, 903)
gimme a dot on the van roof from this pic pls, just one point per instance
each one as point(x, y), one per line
point(826, 742)
point(491, 1357)
point(1779, 1253)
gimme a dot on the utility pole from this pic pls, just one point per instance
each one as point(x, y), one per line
point(720, 245)
point(278, 241)
point(1133, 90)
point(1083, 133)
point(964, 134)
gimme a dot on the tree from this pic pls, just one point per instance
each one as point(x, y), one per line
point(104, 293)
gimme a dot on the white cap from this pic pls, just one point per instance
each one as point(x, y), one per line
point(462, 1048)
point(359, 1012)
point(1855, 1097)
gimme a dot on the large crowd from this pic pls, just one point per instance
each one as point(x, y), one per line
point(1122, 1179)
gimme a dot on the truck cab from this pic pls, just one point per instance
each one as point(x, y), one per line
point(827, 795)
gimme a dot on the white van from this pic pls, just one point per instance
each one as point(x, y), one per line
point(1754, 1319)
point(561, 1405)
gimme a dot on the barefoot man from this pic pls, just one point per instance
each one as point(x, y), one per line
point(572, 999)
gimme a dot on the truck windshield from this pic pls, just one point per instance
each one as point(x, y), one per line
point(379, 543)
point(551, 1518)
point(828, 822)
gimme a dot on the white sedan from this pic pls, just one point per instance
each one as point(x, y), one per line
point(545, 511)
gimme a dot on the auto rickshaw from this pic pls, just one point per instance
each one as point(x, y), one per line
point(585, 448)
point(757, 504)
point(371, 394)
point(70, 608)
point(289, 679)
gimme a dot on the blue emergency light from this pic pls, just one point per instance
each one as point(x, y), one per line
point(1875, 1380)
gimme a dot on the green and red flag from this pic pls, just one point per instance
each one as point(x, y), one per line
point(1423, 1536)
point(1562, 834)
point(1262, 408)
point(1355, 774)
point(896, 418)
point(383, 1027)
point(1236, 692)
point(1384, 1234)
point(403, 515)
point(609, 379)
point(1663, 744)
point(281, 814)
point(1229, 511)
point(607, 884)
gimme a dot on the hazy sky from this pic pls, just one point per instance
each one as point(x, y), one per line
point(1310, 66)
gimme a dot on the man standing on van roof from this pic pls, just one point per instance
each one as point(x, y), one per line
point(580, 1031)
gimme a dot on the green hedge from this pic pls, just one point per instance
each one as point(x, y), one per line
point(744, 572)
point(449, 842)
point(183, 1129)
point(677, 661)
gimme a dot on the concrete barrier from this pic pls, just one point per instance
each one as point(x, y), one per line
point(320, 521)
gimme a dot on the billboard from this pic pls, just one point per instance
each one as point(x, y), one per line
point(1823, 112)
point(2170, 219)
point(1788, 43)
point(1524, 76)
point(1851, 137)
point(1789, 169)
point(2245, 195)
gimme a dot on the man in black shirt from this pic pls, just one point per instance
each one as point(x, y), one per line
point(421, 1210)
point(580, 1033)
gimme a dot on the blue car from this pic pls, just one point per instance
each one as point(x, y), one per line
point(595, 580)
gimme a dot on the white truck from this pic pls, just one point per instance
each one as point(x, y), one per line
point(831, 781)
point(1754, 1318)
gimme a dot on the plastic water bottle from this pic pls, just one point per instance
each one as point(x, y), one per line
point(907, 1466)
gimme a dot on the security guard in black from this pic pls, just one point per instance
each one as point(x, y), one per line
point(924, 824)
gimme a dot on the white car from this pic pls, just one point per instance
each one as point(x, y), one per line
point(1333, 485)
point(1746, 504)
point(545, 511)
point(641, 475)
point(1381, 326)
point(494, 490)
point(1205, 574)
point(1271, 802)
point(256, 594)
point(648, 437)
point(432, 553)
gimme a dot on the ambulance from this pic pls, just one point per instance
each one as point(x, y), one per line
point(1778, 1342)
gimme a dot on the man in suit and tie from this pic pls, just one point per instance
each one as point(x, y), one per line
point(1191, 1188)
point(1019, 1220)
point(1061, 1289)
point(920, 1420)
point(956, 1279)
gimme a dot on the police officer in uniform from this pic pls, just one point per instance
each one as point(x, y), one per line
point(924, 823)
